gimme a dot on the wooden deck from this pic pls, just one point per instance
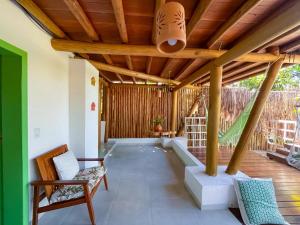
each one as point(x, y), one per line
point(286, 180)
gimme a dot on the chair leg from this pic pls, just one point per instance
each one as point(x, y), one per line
point(89, 204)
point(35, 216)
point(105, 182)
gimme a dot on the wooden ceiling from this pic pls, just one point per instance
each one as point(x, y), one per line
point(211, 24)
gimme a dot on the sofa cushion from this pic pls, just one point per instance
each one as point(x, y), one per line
point(67, 192)
point(257, 201)
point(66, 165)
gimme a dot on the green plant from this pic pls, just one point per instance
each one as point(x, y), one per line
point(158, 120)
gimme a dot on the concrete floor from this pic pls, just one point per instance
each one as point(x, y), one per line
point(146, 188)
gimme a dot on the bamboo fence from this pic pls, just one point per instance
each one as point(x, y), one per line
point(132, 109)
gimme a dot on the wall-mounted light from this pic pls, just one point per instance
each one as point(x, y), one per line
point(170, 28)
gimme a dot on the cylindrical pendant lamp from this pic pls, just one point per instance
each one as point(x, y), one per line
point(170, 28)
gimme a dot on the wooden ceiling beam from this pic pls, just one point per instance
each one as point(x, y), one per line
point(82, 18)
point(284, 21)
point(244, 74)
point(104, 76)
point(129, 65)
point(183, 72)
point(130, 73)
point(36, 12)
point(120, 19)
point(45, 21)
point(148, 50)
point(233, 20)
point(270, 43)
point(166, 72)
point(201, 9)
point(244, 68)
point(227, 82)
point(148, 65)
point(290, 47)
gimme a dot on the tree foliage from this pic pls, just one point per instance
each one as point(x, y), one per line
point(288, 78)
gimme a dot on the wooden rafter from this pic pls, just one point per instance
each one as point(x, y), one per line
point(234, 19)
point(292, 46)
point(201, 9)
point(130, 73)
point(147, 50)
point(167, 69)
point(246, 73)
point(120, 19)
point(42, 17)
point(271, 43)
point(232, 72)
point(284, 21)
point(35, 11)
point(148, 65)
point(105, 77)
point(158, 4)
point(185, 69)
point(82, 18)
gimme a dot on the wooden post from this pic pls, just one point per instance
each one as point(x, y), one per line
point(212, 146)
point(174, 112)
point(107, 102)
point(240, 149)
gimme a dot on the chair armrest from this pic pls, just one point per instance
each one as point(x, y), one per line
point(91, 159)
point(59, 182)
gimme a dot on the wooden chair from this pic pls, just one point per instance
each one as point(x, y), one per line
point(51, 183)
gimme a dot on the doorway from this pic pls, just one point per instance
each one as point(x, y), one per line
point(14, 140)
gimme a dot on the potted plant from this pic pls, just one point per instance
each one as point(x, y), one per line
point(157, 122)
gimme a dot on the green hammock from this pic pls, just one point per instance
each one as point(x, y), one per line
point(233, 133)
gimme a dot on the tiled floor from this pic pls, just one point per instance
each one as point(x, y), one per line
point(146, 188)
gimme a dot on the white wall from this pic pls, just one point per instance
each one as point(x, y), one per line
point(83, 121)
point(48, 108)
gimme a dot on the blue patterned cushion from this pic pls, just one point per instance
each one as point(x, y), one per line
point(257, 201)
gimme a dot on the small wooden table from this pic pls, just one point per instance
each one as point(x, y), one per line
point(163, 133)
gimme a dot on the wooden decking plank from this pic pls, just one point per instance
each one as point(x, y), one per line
point(286, 180)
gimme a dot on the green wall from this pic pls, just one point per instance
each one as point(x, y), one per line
point(14, 154)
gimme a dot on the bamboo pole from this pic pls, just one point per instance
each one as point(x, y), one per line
point(213, 122)
point(107, 110)
point(149, 50)
point(240, 149)
point(174, 112)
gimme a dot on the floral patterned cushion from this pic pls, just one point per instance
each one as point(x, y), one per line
point(67, 192)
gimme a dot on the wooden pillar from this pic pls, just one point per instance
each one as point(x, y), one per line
point(240, 149)
point(212, 146)
point(174, 112)
point(107, 103)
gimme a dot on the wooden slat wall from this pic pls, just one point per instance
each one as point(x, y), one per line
point(280, 105)
point(133, 108)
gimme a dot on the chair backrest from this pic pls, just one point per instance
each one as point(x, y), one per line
point(47, 168)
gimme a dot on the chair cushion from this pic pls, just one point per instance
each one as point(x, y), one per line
point(67, 192)
point(66, 165)
point(257, 201)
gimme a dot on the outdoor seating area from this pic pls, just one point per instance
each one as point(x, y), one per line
point(153, 112)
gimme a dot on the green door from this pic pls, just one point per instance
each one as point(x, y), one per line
point(13, 149)
point(1, 197)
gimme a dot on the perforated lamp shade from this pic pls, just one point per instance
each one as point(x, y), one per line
point(170, 28)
